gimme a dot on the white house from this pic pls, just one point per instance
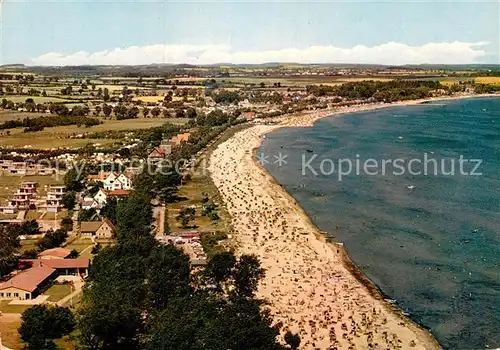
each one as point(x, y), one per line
point(115, 181)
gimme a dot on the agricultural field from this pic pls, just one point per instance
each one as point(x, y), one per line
point(296, 80)
point(36, 99)
point(58, 136)
point(488, 80)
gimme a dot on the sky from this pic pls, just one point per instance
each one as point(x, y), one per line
point(68, 32)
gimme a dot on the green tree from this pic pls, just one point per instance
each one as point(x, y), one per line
point(69, 200)
point(186, 215)
point(52, 239)
point(41, 324)
point(87, 215)
point(67, 224)
point(293, 340)
point(168, 275)
point(73, 180)
point(109, 210)
point(9, 247)
point(107, 110)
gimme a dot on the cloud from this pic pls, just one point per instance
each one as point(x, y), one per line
point(390, 53)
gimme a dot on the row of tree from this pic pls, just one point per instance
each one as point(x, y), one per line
point(49, 121)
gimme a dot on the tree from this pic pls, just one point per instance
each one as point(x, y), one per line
point(9, 246)
point(134, 217)
point(145, 112)
point(220, 267)
point(52, 239)
point(155, 112)
point(69, 200)
point(247, 275)
point(292, 339)
point(105, 96)
point(73, 180)
point(186, 215)
point(167, 275)
point(29, 227)
point(67, 224)
point(41, 324)
point(191, 113)
point(179, 113)
point(109, 210)
point(87, 214)
point(120, 111)
point(107, 109)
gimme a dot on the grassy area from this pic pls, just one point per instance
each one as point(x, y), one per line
point(58, 291)
point(59, 136)
point(33, 215)
point(8, 185)
point(81, 245)
point(28, 244)
point(36, 99)
point(9, 325)
point(12, 309)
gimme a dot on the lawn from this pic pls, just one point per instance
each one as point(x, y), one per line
point(58, 291)
point(81, 245)
point(28, 244)
point(12, 309)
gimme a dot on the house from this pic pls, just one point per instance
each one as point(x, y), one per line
point(55, 253)
point(179, 138)
point(61, 267)
point(97, 229)
point(54, 200)
point(89, 203)
point(157, 154)
point(102, 195)
point(115, 181)
point(112, 180)
point(65, 267)
point(26, 284)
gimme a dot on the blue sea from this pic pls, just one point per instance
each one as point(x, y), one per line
point(425, 225)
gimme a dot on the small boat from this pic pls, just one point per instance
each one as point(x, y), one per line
point(410, 187)
point(309, 151)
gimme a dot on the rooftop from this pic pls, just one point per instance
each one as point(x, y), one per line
point(30, 279)
point(56, 252)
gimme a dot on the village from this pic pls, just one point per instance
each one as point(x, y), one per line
point(40, 204)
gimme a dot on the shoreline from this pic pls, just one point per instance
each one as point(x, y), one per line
point(236, 173)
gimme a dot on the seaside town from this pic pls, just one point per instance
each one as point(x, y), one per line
point(150, 187)
point(158, 157)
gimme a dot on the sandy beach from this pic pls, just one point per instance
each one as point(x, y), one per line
point(311, 285)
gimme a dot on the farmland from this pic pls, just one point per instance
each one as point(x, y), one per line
point(488, 80)
point(59, 136)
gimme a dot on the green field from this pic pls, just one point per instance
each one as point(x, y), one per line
point(58, 291)
point(59, 136)
point(36, 99)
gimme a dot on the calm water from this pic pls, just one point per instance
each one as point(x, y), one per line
point(432, 242)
